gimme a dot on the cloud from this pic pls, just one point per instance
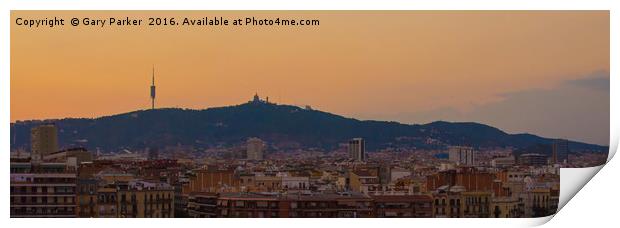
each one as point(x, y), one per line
point(574, 109)
point(597, 81)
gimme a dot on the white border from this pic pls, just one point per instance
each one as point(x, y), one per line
point(7, 5)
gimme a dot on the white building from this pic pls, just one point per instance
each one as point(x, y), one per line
point(503, 162)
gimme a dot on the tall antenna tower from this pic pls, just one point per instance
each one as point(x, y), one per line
point(153, 90)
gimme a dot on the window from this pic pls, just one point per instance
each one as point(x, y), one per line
point(261, 204)
point(239, 203)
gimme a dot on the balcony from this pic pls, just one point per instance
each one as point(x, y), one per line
point(20, 193)
point(42, 204)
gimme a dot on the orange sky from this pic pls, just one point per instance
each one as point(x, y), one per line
point(358, 64)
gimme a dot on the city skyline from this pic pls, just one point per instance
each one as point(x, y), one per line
point(269, 121)
point(420, 67)
point(477, 184)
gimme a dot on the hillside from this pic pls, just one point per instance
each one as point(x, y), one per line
point(283, 126)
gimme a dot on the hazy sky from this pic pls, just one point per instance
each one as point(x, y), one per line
point(540, 72)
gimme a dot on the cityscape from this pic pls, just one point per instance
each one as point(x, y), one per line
point(254, 179)
point(367, 114)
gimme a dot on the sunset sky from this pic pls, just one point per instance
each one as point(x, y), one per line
point(542, 72)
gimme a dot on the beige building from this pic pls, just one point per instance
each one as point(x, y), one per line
point(133, 199)
point(43, 141)
point(364, 182)
point(139, 199)
point(268, 183)
point(455, 202)
point(476, 204)
point(462, 155)
point(506, 207)
point(107, 206)
point(448, 204)
point(255, 147)
point(539, 202)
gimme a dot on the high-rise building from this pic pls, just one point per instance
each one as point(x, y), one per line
point(462, 155)
point(43, 140)
point(559, 151)
point(357, 149)
point(255, 147)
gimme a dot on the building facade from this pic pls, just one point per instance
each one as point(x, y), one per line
point(274, 205)
point(43, 190)
point(43, 141)
point(403, 206)
point(202, 205)
point(357, 149)
point(462, 155)
point(255, 147)
point(532, 159)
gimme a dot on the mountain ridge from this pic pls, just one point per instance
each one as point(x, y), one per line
point(282, 126)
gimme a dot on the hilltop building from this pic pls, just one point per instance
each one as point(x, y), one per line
point(257, 100)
